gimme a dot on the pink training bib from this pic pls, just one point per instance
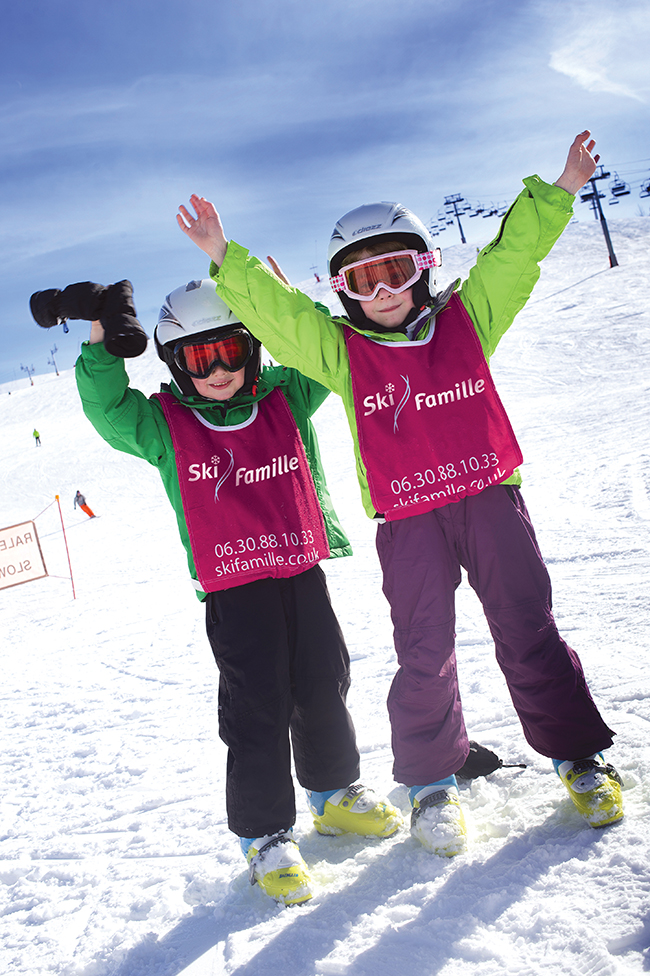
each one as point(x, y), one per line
point(431, 426)
point(248, 494)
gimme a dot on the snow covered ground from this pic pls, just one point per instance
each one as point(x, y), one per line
point(114, 855)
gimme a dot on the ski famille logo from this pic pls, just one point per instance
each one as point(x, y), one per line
point(387, 398)
point(242, 476)
point(382, 401)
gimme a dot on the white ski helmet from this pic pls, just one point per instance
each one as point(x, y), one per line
point(376, 222)
point(192, 310)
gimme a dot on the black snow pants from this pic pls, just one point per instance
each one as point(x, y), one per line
point(284, 677)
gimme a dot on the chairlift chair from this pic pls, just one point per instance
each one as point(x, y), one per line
point(618, 188)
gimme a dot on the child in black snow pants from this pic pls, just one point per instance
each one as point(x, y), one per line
point(238, 457)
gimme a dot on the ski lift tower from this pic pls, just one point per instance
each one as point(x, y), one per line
point(456, 205)
point(29, 370)
point(594, 197)
point(52, 361)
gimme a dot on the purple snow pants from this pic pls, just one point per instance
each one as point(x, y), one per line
point(490, 535)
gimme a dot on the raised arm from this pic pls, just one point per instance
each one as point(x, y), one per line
point(124, 417)
point(289, 324)
point(501, 281)
point(205, 229)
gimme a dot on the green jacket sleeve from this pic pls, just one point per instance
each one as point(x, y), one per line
point(305, 396)
point(288, 323)
point(125, 418)
point(131, 423)
point(506, 270)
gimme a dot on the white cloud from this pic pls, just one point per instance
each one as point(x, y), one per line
point(607, 49)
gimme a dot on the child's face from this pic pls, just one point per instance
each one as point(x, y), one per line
point(220, 384)
point(387, 309)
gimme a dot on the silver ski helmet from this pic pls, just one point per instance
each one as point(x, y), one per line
point(195, 311)
point(373, 223)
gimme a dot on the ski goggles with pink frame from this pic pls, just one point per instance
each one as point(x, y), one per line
point(395, 272)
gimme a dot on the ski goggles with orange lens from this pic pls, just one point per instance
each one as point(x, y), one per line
point(395, 272)
point(199, 359)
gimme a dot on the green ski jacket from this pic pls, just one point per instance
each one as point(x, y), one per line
point(134, 424)
point(299, 334)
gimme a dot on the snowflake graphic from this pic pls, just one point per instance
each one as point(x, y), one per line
point(215, 459)
point(390, 388)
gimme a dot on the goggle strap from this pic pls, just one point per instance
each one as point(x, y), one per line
point(430, 259)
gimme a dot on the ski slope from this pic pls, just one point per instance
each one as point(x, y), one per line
point(115, 859)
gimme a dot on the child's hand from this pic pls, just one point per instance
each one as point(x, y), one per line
point(205, 229)
point(580, 164)
point(277, 270)
point(97, 333)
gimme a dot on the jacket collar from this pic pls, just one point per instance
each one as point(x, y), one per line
point(415, 328)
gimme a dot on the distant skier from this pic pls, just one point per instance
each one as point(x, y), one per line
point(37, 438)
point(81, 502)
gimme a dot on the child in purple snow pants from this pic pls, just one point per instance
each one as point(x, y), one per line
point(437, 462)
point(490, 535)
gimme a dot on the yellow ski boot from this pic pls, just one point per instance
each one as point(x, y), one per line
point(276, 865)
point(437, 820)
point(356, 810)
point(595, 788)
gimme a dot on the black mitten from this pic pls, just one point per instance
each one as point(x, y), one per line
point(124, 337)
point(83, 300)
point(45, 307)
point(112, 305)
point(482, 761)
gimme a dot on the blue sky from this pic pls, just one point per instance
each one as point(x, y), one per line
point(286, 115)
